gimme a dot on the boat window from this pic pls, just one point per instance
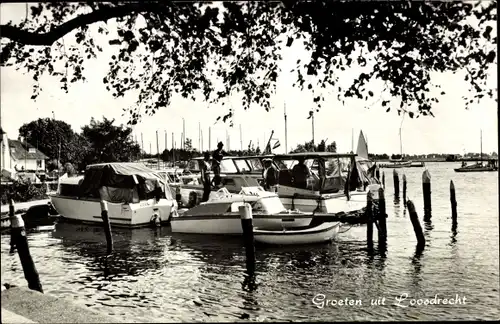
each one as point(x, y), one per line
point(255, 164)
point(194, 165)
point(227, 166)
point(337, 166)
point(242, 165)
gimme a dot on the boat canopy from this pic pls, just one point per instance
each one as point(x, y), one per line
point(121, 182)
point(331, 172)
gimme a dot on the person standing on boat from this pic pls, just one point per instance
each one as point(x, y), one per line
point(270, 174)
point(217, 156)
point(205, 177)
point(300, 174)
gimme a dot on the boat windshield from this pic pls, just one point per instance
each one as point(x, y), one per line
point(227, 166)
point(242, 165)
point(255, 164)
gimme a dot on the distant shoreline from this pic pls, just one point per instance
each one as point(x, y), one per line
point(432, 160)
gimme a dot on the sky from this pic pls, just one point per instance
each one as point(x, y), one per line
point(453, 130)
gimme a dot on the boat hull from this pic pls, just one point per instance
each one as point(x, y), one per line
point(476, 170)
point(332, 203)
point(396, 165)
point(319, 234)
point(230, 224)
point(123, 215)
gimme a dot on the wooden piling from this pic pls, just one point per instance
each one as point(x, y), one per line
point(453, 204)
point(396, 183)
point(426, 188)
point(107, 226)
point(19, 241)
point(404, 190)
point(248, 240)
point(416, 225)
point(369, 220)
point(383, 179)
point(382, 216)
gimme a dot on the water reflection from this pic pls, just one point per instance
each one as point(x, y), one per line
point(134, 251)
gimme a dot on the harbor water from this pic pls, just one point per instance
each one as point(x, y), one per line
point(156, 276)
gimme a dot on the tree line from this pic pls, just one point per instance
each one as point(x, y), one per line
point(97, 142)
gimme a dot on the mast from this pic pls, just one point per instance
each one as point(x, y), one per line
point(209, 138)
point(173, 150)
point(142, 146)
point(286, 135)
point(269, 143)
point(481, 138)
point(158, 150)
point(241, 140)
point(352, 140)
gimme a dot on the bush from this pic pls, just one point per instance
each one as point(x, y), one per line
point(22, 191)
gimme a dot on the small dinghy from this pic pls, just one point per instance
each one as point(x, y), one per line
point(323, 232)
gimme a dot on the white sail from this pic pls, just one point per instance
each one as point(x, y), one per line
point(362, 150)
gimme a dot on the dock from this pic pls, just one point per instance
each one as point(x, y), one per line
point(23, 207)
point(21, 305)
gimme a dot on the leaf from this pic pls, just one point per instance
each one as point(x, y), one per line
point(388, 109)
point(370, 93)
point(115, 42)
point(289, 42)
point(411, 114)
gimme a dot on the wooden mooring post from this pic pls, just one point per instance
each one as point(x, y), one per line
point(426, 188)
point(107, 227)
point(369, 220)
point(381, 217)
point(416, 225)
point(19, 241)
point(396, 183)
point(383, 179)
point(404, 190)
point(453, 201)
point(248, 240)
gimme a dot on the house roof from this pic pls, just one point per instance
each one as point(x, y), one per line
point(20, 151)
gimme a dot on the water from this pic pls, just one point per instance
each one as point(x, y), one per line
point(158, 276)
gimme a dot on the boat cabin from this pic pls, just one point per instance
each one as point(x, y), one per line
point(329, 171)
point(116, 183)
point(232, 165)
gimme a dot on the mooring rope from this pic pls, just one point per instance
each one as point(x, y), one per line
point(346, 229)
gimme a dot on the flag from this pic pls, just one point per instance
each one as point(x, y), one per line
point(276, 144)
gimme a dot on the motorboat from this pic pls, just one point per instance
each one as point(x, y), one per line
point(236, 172)
point(136, 195)
point(337, 182)
point(321, 233)
point(220, 214)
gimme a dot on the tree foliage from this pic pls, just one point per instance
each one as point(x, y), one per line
point(109, 143)
point(47, 134)
point(216, 50)
point(311, 147)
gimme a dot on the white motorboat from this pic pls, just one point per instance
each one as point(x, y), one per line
point(136, 195)
point(337, 182)
point(220, 214)
point(314, 234)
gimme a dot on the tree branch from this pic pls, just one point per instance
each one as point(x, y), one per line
point(24, 37)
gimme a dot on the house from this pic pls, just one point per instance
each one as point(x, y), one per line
point(20, 156)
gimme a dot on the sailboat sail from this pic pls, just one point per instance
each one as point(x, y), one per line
point(362, 150)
